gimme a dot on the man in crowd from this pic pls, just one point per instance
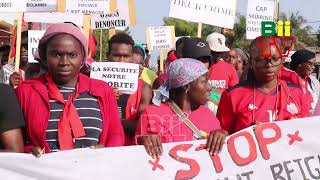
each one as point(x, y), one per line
point(239, 59)
point(8, 74)
point(130, 106)
point(4, 55)
point(222, 75)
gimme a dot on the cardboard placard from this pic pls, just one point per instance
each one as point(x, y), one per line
point(107, 21)
point(54, 17)
point(13, 5)
point(87, 6)
point(258, 10)
point(41, 5)
point(34, 37)
point(162, 37)
point(220, 13)
point(123, 76)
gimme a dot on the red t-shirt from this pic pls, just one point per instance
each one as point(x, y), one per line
point(222, 75)
point(241, 105)
point(163, 121)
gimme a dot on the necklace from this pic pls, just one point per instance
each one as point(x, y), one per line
point(273, 118)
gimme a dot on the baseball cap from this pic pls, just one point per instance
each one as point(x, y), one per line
point(195, 48)
point(217, 42)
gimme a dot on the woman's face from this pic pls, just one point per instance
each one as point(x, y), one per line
point(64, 59)
point(266, 69)
point(199, 90)
point(305, 69)
point(233, 57)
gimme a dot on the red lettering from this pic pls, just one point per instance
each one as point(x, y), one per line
point(286, 42)
point(237, 159)
point(194, 166)
point(263, 141)
point(215, 159)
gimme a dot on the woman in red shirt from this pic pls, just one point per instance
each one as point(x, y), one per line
point(63, 108)
point(263, 97)
point(189, 92)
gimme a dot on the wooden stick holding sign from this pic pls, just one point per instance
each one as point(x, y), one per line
point(61, 6)
point(18, 42)
point(199, 30)
point(113, 9)
point(86, 26)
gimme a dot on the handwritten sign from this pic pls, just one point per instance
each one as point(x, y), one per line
point(283, 150)
point(41, 5)
point(123, 76)
point(162, 37)
point(12, 5)
point(34, 37)
point(258, 10)
point(87, 6)
point(106, 21)
point(220, 13)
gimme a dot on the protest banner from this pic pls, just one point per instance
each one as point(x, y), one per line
point(258, 11)
point(282, 150)
point(162, 37)
point(41, 5)
point(123, 76)
point(13, 6)
point(34, 37)
point(87, 6)
point(214, 12)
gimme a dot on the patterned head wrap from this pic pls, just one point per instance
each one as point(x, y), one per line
point(180, 73)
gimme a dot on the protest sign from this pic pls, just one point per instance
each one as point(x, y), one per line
point(123, 76)
point(258, 11)
point(41, 5)
point(106, 21)
point(34, 37)
point(283, 150)
point(54, 17)
point(119, 17)
point(214, 12)
point(162, 37)
point(13, 6)
point(87, 6)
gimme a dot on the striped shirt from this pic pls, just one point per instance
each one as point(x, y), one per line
point(89, 112)
point(122, 105)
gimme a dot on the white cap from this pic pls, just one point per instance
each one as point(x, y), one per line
point(217, 42)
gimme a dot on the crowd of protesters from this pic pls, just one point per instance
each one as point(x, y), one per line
point(206, 91)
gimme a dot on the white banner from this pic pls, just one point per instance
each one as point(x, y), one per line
point(41, 5)
point(87, 6)
point(286, 150)
point(214, 12)
point(54, 17)
point(258, 10)
point(162, 37)
point(13, 5)
point(34, 37)
point(123, 76)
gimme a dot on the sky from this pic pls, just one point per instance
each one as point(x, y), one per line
point(152, 12)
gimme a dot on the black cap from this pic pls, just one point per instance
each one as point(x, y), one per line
point(196, 48)
point(301, 56)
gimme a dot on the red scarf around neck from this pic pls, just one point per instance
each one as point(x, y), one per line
point(69, 125)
